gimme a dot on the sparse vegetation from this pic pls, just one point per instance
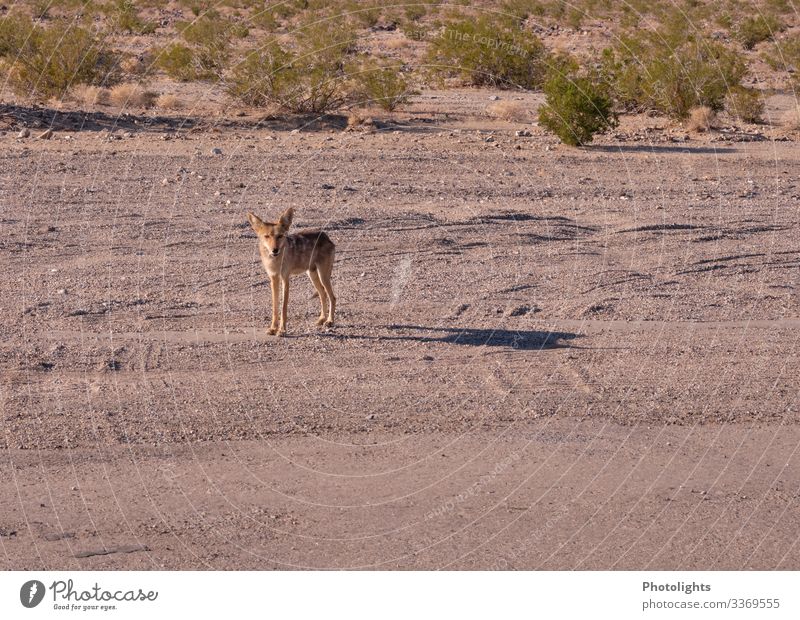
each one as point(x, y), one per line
point(124, 17)
point(487, 52)
point(668, 59)
point(753, 30)
point(44, 62)
point(295, 84)
point(746, 104)
point(206, 53)
point(671, 70)
point(310, 79)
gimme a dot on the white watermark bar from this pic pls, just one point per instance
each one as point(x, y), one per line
point(371, 595)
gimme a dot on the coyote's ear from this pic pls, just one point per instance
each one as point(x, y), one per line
point(286, 218)
point(255, 222)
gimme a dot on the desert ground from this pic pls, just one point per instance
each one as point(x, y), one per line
point(544, 357)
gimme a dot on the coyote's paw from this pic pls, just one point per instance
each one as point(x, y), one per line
point(329, 323)
point(272, 331)
point(321, 320)
point(281, 332)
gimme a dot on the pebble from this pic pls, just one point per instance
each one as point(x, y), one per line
point(216, 151)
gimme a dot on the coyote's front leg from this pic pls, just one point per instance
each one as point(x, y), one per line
point(274, 283)
point(284, 305)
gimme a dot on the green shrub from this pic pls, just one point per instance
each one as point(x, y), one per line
point(364, 13)
point(178, 61)
point(293, 83)
point(486, 52)
point(753, 30)
point(745, 104)
point(671, 71)
point(14, 30)
point(210, 39)
point(523, 9)
point(576, 108)
point(383, 85)
point(124, 17)
point(326, 41)
point(415, 12)
point(46, 62)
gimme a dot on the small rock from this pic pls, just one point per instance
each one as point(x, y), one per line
point(327, 186)
point(216, 151)
point(24, 133)
point(523, 133)
point(493, 98)
point(164, 181)
point(427, 358)
point(489, 139)
point(61, 291)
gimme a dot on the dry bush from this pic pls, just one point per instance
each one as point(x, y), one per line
point(136, 65)
point(132, 96)
point(512, 111)
point(397, 43)
point(86, 94)
point(355, 118)
point(746, 104)
point(701, 118)
point(170, 102)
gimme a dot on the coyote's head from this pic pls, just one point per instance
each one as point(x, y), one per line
point(272, 234)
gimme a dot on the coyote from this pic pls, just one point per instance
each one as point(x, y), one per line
point(284, 255)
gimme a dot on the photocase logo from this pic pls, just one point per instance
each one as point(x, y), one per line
point(31, 593)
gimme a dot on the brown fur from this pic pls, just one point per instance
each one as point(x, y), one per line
point(285, 255)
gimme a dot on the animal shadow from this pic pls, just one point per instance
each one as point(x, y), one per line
point(520, 340)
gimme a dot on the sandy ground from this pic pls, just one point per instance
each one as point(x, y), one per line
point(544, 357)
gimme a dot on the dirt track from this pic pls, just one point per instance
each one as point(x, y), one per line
point(544, 357)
